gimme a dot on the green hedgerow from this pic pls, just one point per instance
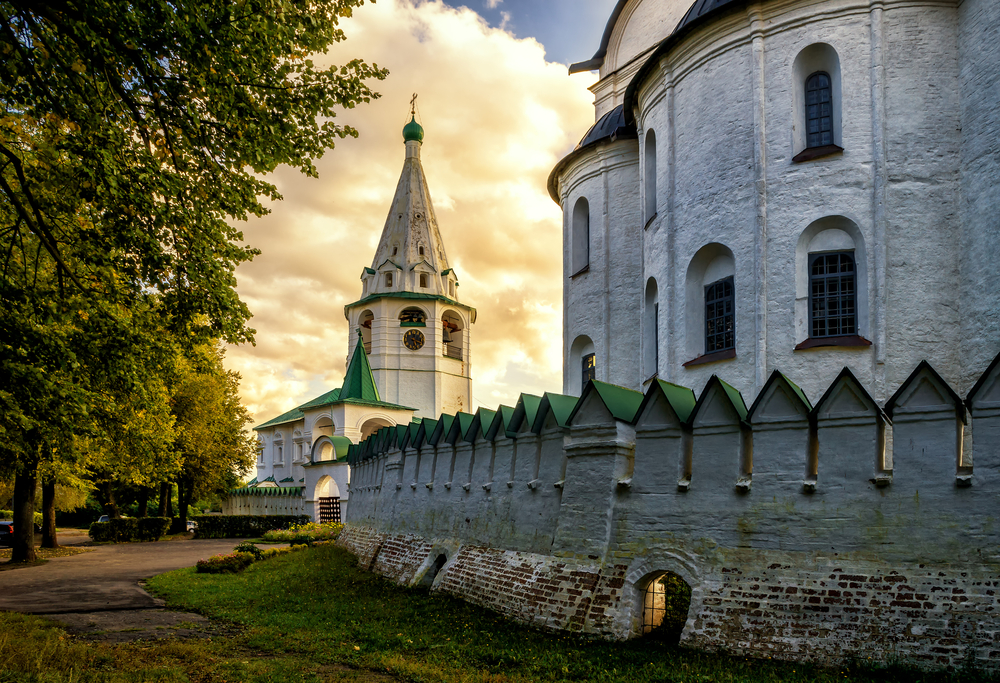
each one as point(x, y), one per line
point(225, 564)
point(307, 533)
point(250, 549)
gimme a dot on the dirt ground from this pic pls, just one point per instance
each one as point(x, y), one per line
point(98, 595)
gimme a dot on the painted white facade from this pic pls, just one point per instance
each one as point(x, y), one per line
point(701, 183)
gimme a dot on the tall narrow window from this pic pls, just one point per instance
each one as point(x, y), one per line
point(423, 280)
point(819, 110)
point(832, 294)
point(388, 279)
point(720, 317)
point(581, 236)
point(649, 187)
point(650, 331)
point(421, 250)
point(589, 368)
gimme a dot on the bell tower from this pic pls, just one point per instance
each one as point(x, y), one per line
point(416, 332)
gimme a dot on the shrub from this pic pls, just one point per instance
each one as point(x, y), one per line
point(243, 526)
point(130, 529)
point(225, 564)
point(307, 533)
point(249, 549)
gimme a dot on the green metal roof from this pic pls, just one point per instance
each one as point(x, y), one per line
point(413, 131)
point(501, 423)
point(483, 420)
point(291, 416)
point(681, 399)
point(269, 491)
point(287, 480)
point(622, 403)
point(732, 395)
point(561, 407)
point(775, 377)
point(531, 404)
point(322, 400)
point(359, 383)
point(369, 271)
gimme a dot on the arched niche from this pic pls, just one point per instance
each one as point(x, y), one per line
point(581, 349)
point(413, 315)
point(815, 59)
point(452, 334)
point(370, 425)
point(322, 427)
point(649, 174)
point(326, 487)
point(826, 235)
point(365, 322)
point(580, 234)
point(712, 263)
point(650, 329)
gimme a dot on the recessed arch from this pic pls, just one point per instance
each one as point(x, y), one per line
point(412, 314)
point(580, 233)
point(365, 321)
point(370, 424)
point(650, 330)
point(323, 426)
point(649, 174)
point(326, 487)
point(713, 263)
point(811, 63)
point(834, 233)
point(580, 351)
point(452, 334)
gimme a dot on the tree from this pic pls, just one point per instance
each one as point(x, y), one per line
point(212, 441)
point(132, 136)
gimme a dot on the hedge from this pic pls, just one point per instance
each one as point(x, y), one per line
point(9, 514)
point(129, 530)
point(243, 526)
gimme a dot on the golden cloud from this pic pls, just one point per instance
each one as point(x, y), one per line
point(497, 118)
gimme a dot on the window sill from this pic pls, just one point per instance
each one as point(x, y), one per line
point(847, 340)
point(713, 357)
point(585, 269)
point(810, 153)
point(650, 221)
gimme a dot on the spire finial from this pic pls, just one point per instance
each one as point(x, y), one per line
point(413, 105)
point(413, 130)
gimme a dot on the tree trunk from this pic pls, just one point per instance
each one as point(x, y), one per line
point(170, 500)
point(106, 497)
point(143, 502)
point(164, 499)
point(49, 539)
point(183, 499)
point(25, 483)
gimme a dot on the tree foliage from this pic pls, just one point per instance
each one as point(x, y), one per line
point(132, 137)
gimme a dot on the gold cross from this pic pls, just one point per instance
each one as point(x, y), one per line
point(413, 105)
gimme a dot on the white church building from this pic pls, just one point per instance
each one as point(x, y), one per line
point(410, 356)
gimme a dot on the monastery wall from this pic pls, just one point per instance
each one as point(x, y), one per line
point(799, 535)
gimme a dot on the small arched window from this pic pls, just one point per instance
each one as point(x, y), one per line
point(423, 279)
point(819, 110)
point(388, 279)
point(650, 172)
point(651, 332)
point(420, 251)
point(832, 294)
point(581, 235)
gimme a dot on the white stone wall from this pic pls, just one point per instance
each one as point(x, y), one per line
point(916, 187)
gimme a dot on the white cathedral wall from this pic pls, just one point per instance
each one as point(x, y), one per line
point(725, 176)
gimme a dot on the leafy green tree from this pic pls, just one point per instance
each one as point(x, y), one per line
point(215, 449)
point(132, 137)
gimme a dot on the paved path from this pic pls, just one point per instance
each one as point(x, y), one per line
point(105, 579)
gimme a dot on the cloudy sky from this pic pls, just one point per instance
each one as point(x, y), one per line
point(499, 110)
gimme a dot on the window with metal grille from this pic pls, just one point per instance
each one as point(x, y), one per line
point(832, 294)
point(589, 368)
point(819, 110)
point(720, 316)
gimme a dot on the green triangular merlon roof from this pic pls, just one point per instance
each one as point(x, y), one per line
point(301, 480)
point(531, 404)
point(270, 491)
point(775, 376)
point(622, 403)
point(483, 419)
point(731, 393)
point(359, 383)
point(681, 399)
point(424, 430)
point(501, 423)
point(443, 428)
point(460, 426)
point(270, 479)
point(286, 480)
point(561, 407)
point(252, 482)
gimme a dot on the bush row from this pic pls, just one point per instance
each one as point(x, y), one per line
point(243, 526)
point(306, 533)
point(130, 529)
point(9, 514)
point(242, 557)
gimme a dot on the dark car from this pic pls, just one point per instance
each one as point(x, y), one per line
point(6, 533)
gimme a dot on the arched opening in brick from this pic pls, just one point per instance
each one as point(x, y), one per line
point(432, 572)
point(666, 599)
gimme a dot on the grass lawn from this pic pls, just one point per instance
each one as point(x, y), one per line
point(313, 616)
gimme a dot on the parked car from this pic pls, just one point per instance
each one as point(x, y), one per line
point(6, 533)
point(191, 526)
point(104, 518)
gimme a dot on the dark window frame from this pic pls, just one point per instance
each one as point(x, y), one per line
point(819, 107)
point(833, 286)
point(588, 367)
point(720, 319)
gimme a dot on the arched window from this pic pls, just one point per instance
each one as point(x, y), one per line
point(388, 279)
point(651, 331)
point(832, 294)
point(710, 311)
point(720, 316)
point(420, 250)
point(451, 335)
point(423, 279)
point(819, 110)
point(650, 179)
point(581, 235)
point(413, 317)
point(582, 365)
point(365, 321)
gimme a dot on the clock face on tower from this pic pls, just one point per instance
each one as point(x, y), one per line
point(413, 340)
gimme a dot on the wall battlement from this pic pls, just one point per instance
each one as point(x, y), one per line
point(858, 529)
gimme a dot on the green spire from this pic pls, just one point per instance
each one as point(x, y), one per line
point(359, 381)
point(413, 131)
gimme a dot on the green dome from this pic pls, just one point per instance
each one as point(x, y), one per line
point(413, 131)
